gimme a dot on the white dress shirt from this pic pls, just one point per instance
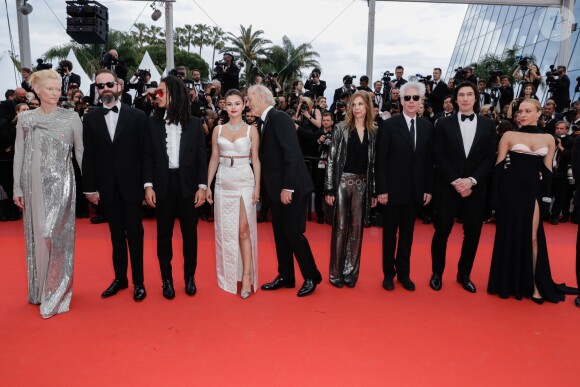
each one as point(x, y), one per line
point(467, 128)
point(408, 119)
point(173, 140)
point(111, 118)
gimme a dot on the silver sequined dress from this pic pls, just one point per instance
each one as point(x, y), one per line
point(44, 176)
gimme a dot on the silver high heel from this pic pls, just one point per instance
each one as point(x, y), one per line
point(245, 293)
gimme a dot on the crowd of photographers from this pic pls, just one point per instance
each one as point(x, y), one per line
point(315, 116)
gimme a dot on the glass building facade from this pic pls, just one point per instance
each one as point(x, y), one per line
point(534, 30)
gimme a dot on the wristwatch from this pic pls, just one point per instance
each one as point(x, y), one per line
point(473, 181)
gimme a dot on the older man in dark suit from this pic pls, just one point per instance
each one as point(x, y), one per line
point(464, 153)
point(113, 177)
point(288, 185)
point(404, 176)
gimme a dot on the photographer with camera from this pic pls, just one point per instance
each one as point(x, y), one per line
point(308, 121)
point(315, 85)
point(393, 105)
point(231, 73)
point(347, 87)
point(68, 77)
point(559, 84)
point(324, 140)
point(527, 72)
point(436, 91)
point(364, 84)
point(141, 81)
point(271, 82)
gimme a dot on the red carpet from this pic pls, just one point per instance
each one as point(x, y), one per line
point(362, 336)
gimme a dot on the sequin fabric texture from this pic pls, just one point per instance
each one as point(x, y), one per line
point(44, 176)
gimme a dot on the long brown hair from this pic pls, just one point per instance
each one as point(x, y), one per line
point(369, 119)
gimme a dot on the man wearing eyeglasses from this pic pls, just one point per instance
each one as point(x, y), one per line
point(113, 177)
point(464, 153)
point(404, 176)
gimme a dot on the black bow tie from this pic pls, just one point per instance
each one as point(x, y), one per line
point(114, 108)
point(470, 117)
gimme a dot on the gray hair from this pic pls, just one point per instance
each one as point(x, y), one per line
point(264, 92)
point(563, 122)
point(412, 85)
point(216, 82)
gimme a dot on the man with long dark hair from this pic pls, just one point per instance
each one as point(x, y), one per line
point(175, 173)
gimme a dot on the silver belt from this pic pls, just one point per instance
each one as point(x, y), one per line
point(353, 179)
point(231, 161)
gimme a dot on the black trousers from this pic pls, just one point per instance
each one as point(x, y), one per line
point(562, 197)
point(578, 251)
point(168, 208)
point(318, 179)
point(126, 228)
point(289, 224)
point(446, 208)
point(401, 218)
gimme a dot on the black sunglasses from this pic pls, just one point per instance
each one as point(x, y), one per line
point(101, 86)
point(408, 97)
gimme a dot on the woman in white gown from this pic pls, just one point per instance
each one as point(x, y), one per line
point(237, 189)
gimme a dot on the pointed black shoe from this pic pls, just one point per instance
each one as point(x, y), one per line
point(308, 287)
point(466, 283)
point(436, 282)
point(388, 284)
point(407, 284)
point(139, 293)
point(278, 283)
point(168, 290)
point(190, 288)
point(114, 288)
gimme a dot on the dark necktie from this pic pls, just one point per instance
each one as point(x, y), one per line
point(470, 117)
point(114, 108)
point(413, 132)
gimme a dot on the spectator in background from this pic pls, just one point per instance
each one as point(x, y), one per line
point(231, 79)
point(26, 73)
point(315, 85)
point(364, 84)
point(68, 77)
point(506, 92)
point(436, 91)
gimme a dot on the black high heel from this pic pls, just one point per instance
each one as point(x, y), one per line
point(538, 301)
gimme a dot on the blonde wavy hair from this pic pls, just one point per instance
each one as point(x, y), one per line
point(369, 119)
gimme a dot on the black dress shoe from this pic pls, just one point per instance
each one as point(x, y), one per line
point(427, 220)
point(98, 219)
point(114, 288)
point(577, 302)
point(278, 283)
point(308, 287)
point(435, 283)
point(260, 219)
point(350, 284)
point(14, 217)
point(538, 301)
point(168, 290)
point(565, 219)
point(190, 288)
point(466, 283)
point(139, 293)
point(388, 284)
point(407, 284)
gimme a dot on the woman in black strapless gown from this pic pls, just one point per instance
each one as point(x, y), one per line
point(522, 191)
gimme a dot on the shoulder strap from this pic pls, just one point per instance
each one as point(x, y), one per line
point(220, 130)
point(248, 131)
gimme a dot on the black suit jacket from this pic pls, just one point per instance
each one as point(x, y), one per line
point(576, 168)
point(317, 90)
point(73, 78)
point(486, 99)
point(282, 163)
point(452, 163)
point(192, 157)
point(437, 96)
point(117, 165)
point(403, 173)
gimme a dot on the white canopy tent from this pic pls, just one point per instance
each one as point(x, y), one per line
point(77, 69)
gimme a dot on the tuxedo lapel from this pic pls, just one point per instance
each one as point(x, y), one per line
point(405, 131)
point(266, 128)
point(478, 134)
point(456, 134)
point(122, 122)
point(102, 123)
point(185, 131)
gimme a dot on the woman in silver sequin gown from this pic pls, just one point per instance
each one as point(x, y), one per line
point(44, 187)
point(349, 186)
point(237, 189)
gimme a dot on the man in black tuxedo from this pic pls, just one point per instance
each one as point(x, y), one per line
point(436, 91)
point(562, 89)
point(347, 87)
point(506, 92)
point(550, 117)
point(484, 97)
point(378, 97)
point(113, 177)
point(464, 153)
point(175, 177)
point(447, 108)
point(26, 73)
point(288, 185)
point(404, 176)
point(68, 77)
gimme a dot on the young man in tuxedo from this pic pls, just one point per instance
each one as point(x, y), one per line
point(484, 97)
point(288, 185)
point(404, 176)
point(113, 177)
point(68, 77)
point(436, 91)
point(447, 108)
point(464, 152)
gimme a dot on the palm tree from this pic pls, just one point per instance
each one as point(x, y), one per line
point(250, 46)
point(188, 36)
point(216, 40)
point(155, 34)
point(289, 61)
point(201, 33)
point(140, 35)
point(179, 37)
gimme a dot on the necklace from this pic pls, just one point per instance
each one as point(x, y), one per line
point(234, 128)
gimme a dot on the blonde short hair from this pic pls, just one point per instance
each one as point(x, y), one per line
point(42, 76)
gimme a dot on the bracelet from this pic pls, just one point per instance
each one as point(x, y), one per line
point(547, 199)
